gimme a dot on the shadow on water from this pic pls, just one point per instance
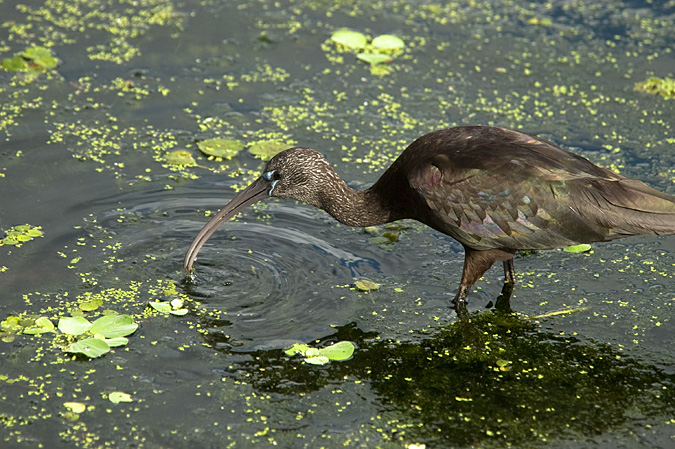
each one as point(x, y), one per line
point(492, 380)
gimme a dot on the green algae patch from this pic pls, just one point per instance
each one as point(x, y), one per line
point(339, 351)
point(220, 148)
point(21, 234)
point(664, 87)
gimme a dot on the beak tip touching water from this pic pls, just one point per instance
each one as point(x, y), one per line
point(255, 192)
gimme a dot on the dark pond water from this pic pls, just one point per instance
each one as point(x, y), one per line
point(586, 360)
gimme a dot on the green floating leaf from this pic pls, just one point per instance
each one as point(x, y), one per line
point(113, 326)
point(74, 325)
point(544, 22)
point(387, 42)
point(117, 396)
point(581, 248)
point(179, 312)
point(180, 157)
point(118, 341)
point(163, 307)
point(42, 325)
point(374, 58)
point(318, 360)
point(339, 351)
point(297, 348)
point(350, 39)
point(91, 347)
point(40, 56)
point(14, 64)
point(75, 407)
point(223, 148)
point(266, 149)
point(365, 285)
point(89, 306)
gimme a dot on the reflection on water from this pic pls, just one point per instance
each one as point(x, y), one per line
point(488, 381)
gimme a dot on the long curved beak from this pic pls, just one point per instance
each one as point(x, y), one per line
point(252, 194)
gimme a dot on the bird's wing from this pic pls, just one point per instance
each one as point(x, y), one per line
point(508, 191)
point(485, 210)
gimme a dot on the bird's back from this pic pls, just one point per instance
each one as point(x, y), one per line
point(496, 188)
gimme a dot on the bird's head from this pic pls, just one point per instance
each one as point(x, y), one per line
point(298, 173)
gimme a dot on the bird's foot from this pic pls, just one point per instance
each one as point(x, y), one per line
point(459, 303)
point(503, 303)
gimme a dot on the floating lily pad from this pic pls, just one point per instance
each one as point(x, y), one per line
point(223, 148)
point(266, 149)
point(180, 157)
point(74, 325)
point(350, 39)
point(113, 326)
point(365, 285)
point(581, 248)
point(91, 347)
point(387, 42)
point(374, 58)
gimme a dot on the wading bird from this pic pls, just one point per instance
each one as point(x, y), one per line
point(495, 190)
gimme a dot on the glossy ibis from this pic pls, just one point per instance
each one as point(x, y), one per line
point(495, 190)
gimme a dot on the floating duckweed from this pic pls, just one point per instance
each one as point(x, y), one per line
point(658, 86)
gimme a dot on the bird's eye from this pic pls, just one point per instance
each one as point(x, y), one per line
point(270, 175)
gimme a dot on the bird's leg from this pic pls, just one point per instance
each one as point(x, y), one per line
point(503, 300)
point(476, 263)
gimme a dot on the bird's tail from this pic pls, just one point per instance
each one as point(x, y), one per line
point(626, 207)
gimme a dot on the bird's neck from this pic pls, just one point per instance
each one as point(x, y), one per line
point(369, 207)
